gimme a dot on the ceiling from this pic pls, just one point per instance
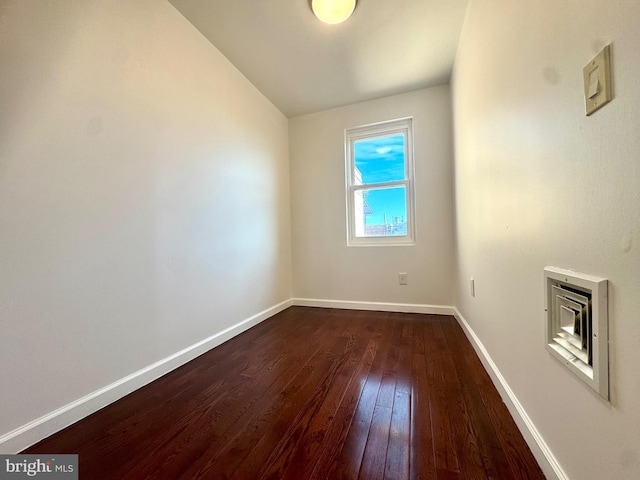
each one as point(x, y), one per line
point(303, 65)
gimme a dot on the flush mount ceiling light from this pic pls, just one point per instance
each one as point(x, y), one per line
point(333, 11)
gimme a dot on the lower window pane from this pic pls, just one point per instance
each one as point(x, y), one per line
point(380, 212)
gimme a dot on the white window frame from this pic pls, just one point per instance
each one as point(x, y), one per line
point(403, 126)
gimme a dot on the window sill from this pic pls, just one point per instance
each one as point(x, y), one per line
point(384, 243)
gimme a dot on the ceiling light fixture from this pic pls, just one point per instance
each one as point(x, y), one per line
point(333, 11)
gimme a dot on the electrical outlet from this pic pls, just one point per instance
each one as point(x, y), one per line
point(472, 287)
point(402, 279)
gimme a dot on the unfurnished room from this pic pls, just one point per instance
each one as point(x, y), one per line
point(319, 239)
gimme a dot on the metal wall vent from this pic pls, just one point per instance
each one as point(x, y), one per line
point(577, 325)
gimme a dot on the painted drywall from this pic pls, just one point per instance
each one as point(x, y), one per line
point(323, 266)
point(538, 183)
point(144, 198)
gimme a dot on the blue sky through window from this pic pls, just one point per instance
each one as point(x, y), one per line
point(381, 160)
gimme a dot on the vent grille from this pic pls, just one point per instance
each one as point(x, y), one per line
point(577, 325)
point(572, 322)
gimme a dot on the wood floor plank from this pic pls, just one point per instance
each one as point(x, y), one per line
point(374, 458)
point(312, 394)
point(446, 459)
point(398, 458)
point(422, 452)
point(397, 455)
point(470, 460)
point(347, 465)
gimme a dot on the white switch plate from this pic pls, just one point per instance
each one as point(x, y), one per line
point(597, 81)
point(403, 279)
point(472, 287)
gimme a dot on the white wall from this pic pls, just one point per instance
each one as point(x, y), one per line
point(323, 266)
point(144, 199)
point(539, 183)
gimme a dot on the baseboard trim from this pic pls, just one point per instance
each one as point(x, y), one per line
point(36, 430)
point(377, 306)
point(538, 446)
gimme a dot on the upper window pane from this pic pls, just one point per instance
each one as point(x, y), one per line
point(380, 159)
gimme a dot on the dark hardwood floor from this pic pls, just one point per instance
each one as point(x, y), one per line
point(312, 394)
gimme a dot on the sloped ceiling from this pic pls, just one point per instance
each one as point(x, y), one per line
point(303, 65)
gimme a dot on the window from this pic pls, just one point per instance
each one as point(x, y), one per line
point(380, 203)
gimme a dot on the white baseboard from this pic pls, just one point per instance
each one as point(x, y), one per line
point(538, 446)
point(377, 306)
point(40, 428)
